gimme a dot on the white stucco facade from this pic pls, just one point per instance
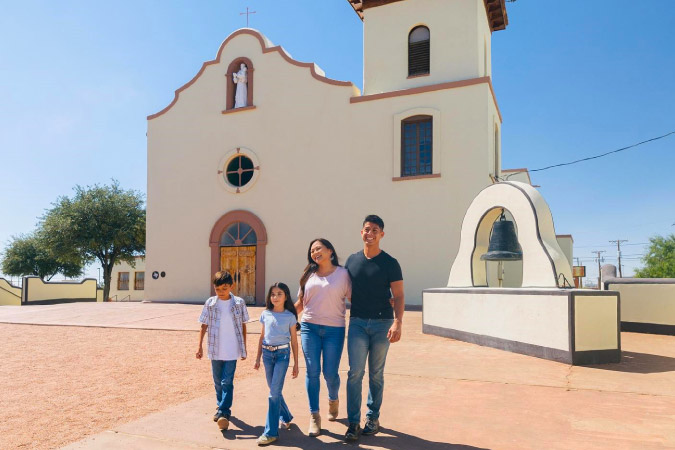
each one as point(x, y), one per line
point(326, 157)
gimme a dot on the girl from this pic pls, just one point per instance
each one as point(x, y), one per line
point(279, 324)
point(324, 285)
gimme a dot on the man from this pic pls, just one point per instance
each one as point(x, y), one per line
point(375, 322)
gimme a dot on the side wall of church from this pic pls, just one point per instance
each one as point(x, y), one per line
point(324, 164)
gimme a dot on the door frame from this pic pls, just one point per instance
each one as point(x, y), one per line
point(261, 235)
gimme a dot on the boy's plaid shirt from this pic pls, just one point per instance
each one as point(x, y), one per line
point(211, 317)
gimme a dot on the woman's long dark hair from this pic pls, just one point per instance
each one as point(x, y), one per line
point(288, 302)
point(313, 266)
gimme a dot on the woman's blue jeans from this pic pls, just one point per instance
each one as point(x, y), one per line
point(318, 339)
point(223, 378)
point(276, 365)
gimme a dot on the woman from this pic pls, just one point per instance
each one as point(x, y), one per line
point(324, 285)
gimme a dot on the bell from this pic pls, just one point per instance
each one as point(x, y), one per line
point(503, 244)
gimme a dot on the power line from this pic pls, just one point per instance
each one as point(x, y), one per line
point(604, 154)
point(505, 178)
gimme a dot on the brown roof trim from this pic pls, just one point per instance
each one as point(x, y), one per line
point(524, 169)
point(431, 88)
point(496, 14)
point(495, 10)
point(265, 49)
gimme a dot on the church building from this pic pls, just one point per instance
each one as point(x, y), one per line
point(259, 153)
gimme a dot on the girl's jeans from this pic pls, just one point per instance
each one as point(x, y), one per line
point(330, 341)
point(276, 365)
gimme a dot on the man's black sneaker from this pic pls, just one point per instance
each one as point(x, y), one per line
point(371, 427)
point(353, 432)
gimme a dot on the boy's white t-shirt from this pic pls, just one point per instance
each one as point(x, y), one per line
point(228, 348)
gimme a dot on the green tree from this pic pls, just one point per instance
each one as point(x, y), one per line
point(660, 258)
point(31, 255)
point(103, 223)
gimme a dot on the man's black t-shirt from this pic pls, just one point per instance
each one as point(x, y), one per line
point(371, 280)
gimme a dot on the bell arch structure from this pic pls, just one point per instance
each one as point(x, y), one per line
point(544, 263)
point(258, 227)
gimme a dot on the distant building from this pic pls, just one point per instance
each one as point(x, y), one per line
point(246, 188)
point(128, 283)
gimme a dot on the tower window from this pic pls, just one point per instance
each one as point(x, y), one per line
point(416, 146)
point(418, 51)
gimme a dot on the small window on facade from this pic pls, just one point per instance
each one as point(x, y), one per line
point(239, 171)
point(416, 146)
point(139, 281)
point(123, 281)
point(418, 51)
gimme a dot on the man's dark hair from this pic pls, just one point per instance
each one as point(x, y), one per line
point(221, 278)
point(372, 218)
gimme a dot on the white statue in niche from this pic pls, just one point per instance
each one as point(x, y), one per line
point(241, 94)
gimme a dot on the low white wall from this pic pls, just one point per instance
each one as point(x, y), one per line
point(567, 325)
point(532, 319)
point(36, 290)
point(645, 300)
point(9, 294)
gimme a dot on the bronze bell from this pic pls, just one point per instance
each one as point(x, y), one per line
point(503, 244)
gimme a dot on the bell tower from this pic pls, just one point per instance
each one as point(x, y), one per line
point(412, 43)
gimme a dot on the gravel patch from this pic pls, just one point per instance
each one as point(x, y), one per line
point(61, 384)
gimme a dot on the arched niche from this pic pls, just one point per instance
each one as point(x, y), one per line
point(231, 86)
point(254, 222)
point(544, 263)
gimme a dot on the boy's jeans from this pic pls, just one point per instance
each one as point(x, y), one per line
point(366, 338)
point(223, 377)
point(315, 340)
point(276, 365)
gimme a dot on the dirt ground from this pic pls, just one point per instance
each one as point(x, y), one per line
point(60, 384)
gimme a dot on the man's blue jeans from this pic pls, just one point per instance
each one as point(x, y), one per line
point(330, 341)
point(276, 364)
point(367, 338)
point(223, 377)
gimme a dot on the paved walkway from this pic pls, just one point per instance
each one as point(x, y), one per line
point(440, 394)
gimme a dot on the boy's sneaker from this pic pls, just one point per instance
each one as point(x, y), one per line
point(371, 427)
point(353, 432)
point(223, 423)
point(217, 415)
point(266, 440)
point(284, 425)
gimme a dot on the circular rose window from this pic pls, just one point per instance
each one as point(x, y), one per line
point(239, 170)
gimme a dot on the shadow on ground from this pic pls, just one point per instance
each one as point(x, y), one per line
point(386, 438)
point(633, 362)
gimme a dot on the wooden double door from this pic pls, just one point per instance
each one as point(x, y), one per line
point(240, 262)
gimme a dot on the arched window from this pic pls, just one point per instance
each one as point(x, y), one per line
point(416, 146)
point(238, 234)
point(418, 51)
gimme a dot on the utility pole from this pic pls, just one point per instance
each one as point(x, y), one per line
point(618, 251)
point(598, 252)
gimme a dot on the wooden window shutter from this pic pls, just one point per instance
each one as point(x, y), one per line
point(419, 48)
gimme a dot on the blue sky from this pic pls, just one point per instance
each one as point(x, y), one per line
point(572, 79)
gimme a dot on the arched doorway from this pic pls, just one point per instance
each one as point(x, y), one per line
point(237, 242)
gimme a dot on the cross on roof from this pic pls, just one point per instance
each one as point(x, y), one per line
point(247, 14)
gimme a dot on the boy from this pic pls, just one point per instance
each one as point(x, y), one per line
point(224, 317)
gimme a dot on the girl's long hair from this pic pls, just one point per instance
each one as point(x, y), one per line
point(288, 302)
point(313, 266)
